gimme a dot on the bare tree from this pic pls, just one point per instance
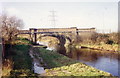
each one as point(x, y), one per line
point(9, 27)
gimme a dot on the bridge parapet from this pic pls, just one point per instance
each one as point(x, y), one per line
point(24, 31)
point(87, 30)
point(55, 29)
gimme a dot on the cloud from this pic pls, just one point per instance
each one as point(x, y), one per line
point(59, 0)
point(12, 11)
point(0, 7)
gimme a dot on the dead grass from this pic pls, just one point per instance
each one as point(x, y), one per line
point(7, 67)
point(107, 47)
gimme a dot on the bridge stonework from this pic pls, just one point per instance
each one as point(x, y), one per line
point(33, 34)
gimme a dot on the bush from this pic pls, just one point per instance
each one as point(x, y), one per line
point(110, 42)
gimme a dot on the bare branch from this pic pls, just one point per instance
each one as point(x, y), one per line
point(9, 26)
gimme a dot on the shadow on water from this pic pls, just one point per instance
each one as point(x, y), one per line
point(102, 60)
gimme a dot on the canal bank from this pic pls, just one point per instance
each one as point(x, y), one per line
point(103, 59)
point(59, 65)
point(102, 47)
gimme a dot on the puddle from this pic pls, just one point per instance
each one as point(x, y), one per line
point(37, 67)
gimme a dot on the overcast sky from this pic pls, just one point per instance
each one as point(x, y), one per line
point(101, 15)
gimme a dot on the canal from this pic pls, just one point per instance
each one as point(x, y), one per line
point(103, 60)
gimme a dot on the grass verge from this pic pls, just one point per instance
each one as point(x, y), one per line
point(22, 61)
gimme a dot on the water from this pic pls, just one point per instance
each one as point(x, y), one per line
point(103, 60)
point(37, 67)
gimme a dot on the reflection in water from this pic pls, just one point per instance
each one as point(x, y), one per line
point(102, 60)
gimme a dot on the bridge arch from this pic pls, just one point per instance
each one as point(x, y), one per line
point(63, 40)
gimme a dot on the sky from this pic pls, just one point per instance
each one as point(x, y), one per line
point(101, 15)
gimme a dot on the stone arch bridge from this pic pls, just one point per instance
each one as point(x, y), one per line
point(70, 34)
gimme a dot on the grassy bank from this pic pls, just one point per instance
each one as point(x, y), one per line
point(60, 65)
point(22, 60)
point(107, 47)
point(18, 61)
point(100, 41)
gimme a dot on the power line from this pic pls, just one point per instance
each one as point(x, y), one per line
point(53, 18)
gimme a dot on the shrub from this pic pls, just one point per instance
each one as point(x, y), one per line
point(110, 42)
